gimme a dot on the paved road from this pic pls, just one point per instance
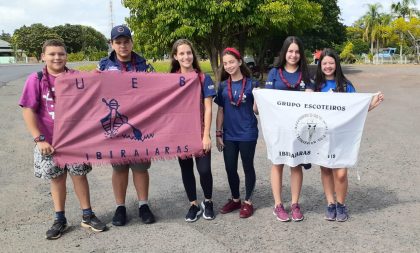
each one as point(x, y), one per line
point(384, 205)
point(10, 72)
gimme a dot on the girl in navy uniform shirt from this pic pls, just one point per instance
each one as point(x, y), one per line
point(237, 128)
point(330, 78)
point(184, 60)
point(292, 74)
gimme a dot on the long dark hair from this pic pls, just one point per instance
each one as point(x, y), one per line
point(340, 80)
point(175, 67)
point(243, 67)
point(303, 63)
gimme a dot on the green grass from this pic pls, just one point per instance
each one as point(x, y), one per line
point(86, 68)
point(160, 66)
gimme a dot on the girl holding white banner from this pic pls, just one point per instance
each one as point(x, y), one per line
point(330, 78)
point(237, 128)
point(184, 60)
point(292, 74)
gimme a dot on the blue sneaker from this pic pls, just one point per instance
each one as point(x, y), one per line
point(331, 212)
point(342, 214)
point(193, 213)
point(56, 230)
point(207, 207)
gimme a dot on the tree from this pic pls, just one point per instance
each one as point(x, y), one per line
point(81, 38)
point(214, 24)
point(30, 39)
point(6, 37)
point(76, 37)
point(280, 19)
point(370, 22)
point(347, 55)
point(71, 34)
point(329, 30)
point(384, 30)
point(402, 10)
point(401, 26)
point(93, 39)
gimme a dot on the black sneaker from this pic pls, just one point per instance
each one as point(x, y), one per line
point(146, 215)
point(93, 223)
point(208, 212)
point(120, 216)
point(56, 230)
point(193, 213)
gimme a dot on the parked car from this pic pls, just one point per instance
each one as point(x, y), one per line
point(250, 62)
point(386, 52)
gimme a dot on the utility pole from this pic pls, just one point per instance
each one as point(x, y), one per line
point(111, 16)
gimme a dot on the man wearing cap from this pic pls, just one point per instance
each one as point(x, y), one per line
point(122, 58)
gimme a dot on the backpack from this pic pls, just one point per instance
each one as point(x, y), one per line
point(40, 74)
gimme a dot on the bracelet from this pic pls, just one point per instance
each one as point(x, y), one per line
point(219, 135)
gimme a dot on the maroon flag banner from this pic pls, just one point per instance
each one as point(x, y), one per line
point(121, 118)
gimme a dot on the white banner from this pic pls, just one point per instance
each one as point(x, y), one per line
point(322, 128)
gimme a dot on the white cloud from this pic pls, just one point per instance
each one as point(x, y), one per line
point(16, 13)
point(354, 9)
point(95, 13)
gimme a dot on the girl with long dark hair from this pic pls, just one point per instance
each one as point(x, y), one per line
point(184, 60)
point(237, 128)
point(330, 78)
point(291, 74)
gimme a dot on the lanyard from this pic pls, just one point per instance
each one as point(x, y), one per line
point(229, 83)
point(293, 86)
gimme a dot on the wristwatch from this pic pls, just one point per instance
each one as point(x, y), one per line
point(39, 138)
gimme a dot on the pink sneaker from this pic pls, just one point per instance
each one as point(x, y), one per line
point(280, 213)
point(296, 213)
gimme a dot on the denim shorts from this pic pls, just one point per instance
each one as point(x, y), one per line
point(45, 168)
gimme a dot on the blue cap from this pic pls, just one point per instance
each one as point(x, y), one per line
point(120, 30)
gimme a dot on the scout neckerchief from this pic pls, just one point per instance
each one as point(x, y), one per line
point(292, 86)
point(124, 64)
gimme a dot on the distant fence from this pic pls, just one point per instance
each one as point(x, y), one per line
point(395, 59)
point(7, 59)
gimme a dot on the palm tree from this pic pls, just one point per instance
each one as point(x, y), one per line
point(371, 21)
point(383, 29)
point(402, 9)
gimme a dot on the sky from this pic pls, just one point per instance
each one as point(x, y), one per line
point(96, 13)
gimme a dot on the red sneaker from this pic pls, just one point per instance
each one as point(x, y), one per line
point(230, 206)
point(246, 210)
